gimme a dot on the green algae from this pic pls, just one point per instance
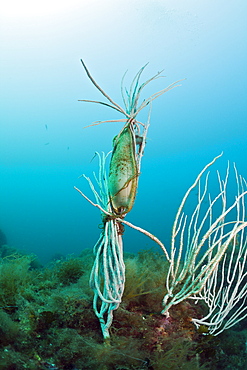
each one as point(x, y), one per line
point(47, 320)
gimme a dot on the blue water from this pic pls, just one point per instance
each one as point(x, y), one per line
point(44, 148)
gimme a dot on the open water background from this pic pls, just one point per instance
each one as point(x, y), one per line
point(43, 146)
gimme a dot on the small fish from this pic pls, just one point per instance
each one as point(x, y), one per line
point(47, 143)
point(46, 127)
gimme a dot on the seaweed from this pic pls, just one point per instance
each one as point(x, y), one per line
point(47, 321)
point(69, 271)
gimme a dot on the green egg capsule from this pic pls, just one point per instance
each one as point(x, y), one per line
point(123, 174)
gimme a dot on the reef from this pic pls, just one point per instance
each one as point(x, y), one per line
point(47, 320)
